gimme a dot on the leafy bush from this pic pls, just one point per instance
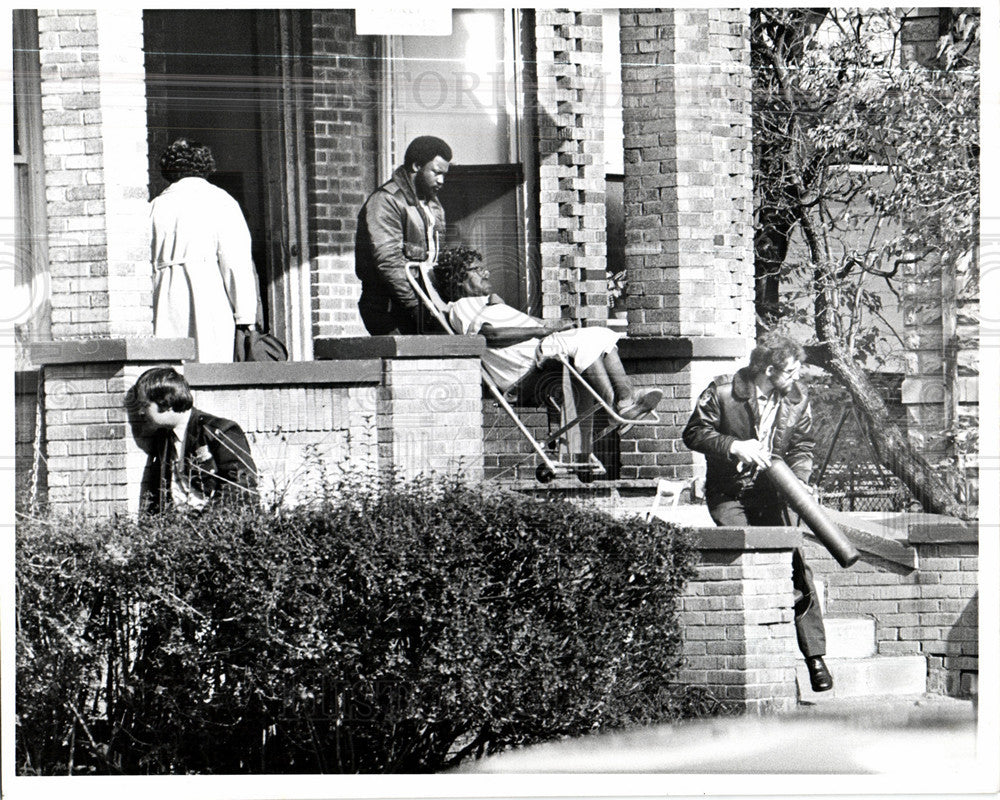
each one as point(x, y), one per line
point(392, 629)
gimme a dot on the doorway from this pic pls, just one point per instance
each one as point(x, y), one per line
point(222, 77)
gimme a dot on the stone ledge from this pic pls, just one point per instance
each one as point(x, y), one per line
point(647, 348)
point(749, 538)
point(96, 351)
point(285, 373)
point(363, 347)
point(947, 530)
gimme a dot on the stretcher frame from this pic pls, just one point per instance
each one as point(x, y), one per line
point(418, 274)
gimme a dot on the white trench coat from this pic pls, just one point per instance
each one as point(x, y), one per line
point(204, 282)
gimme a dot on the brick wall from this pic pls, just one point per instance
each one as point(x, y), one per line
point(930, 609)
point(342, 144)
point(430, 416)
point(90, 449)
point(688, 221)
point(94, 130)
point(570, 140)
point(737, 621)
point(657, 451)
point(300, 436)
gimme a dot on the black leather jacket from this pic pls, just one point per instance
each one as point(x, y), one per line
point(726, 412)
point(217, 463)
point(392, 231)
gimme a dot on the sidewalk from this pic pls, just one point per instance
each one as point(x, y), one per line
point(908, 734)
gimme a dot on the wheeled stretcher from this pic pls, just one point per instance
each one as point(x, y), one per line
point(563, 451)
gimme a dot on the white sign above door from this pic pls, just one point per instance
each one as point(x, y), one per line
point(425, 21)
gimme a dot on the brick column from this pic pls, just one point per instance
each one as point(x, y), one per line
point(95, 458)
point(343, 147)
point(688, 216)
point(94, 118)
point(737, 617)
point(688, 181)
point(941, 387)
point(571, 164)
point(429, 414)
point(946, 604)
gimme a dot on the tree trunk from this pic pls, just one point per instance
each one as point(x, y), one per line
point(890, 444)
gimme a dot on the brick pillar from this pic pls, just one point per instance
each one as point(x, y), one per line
point(429, 414)
point(95, 457)
point(941, 389)
point(343, 147)
point(944, 615)
point(571, 164)
point(688, 182)
point(737, 618)
point(688, 216)
point(430, 417)
point(94, 118)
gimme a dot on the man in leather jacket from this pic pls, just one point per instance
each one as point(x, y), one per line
point(401, 221)
point(740, 425)
point(197, 459)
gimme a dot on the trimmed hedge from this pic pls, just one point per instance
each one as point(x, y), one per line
point(393, 629)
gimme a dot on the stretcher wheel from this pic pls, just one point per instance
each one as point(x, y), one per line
point(586, 475)
point(543, 474)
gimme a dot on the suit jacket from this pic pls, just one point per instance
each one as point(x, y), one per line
point(727, 412)
point(392, 230)
point(217, 463)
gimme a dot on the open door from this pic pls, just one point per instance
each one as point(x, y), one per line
point(230, 78)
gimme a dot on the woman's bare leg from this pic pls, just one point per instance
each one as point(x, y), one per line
point(597, 376)
point(613, 368)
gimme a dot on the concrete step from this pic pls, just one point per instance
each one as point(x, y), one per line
point(850, 637)
point(867, 677)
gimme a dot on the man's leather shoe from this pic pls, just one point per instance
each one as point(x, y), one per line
point(819, 676)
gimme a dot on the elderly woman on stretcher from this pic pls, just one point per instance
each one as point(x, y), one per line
point(517, 342)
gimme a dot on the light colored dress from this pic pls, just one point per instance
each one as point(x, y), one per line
point(507, 365)
point(204, 283)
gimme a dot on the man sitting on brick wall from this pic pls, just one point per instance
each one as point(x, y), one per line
point(197, 458)
point(739, 425)
point(401, 221)
point(517, 343)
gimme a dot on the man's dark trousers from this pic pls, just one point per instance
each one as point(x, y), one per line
point(763, 507)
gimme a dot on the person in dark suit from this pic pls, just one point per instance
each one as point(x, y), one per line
point(197, 459)
point(400, 222)
point(739, 425)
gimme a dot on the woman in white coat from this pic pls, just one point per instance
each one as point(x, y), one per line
point(204, 282)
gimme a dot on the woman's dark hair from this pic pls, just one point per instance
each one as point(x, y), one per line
point(452, 266)
point(424, 149)
point(186, 158)
point(774, 350)
point(166, 387)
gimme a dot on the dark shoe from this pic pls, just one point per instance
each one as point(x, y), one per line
point(819, 676)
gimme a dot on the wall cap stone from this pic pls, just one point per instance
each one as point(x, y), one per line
point(96, 351)
point(749, 538)
point(943, 530)
point(702, 347)
point(433, 346)
point(285, 373)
